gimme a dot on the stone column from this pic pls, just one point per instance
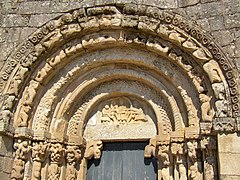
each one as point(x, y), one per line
point(56, 159)
point(209, 149)
point(73, 155)
point(165, 158)
point(93, 150)
point(39, 154)
point(178, 151)
point(22, 148)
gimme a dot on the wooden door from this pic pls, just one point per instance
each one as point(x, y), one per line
point(123, 161)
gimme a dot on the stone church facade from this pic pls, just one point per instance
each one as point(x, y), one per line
point(76, 75)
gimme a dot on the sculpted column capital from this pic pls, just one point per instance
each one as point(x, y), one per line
point(150, 149)
point(56, 153)
point(40, 151)
point(93, 149)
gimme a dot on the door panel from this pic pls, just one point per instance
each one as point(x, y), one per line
point(122, 161)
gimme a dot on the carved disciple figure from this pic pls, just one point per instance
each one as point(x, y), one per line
point(193, 165)
point(73, 155)
point(39, 154)
point(165, 162)
point(56, 157)
point(209, 147)
point(207, 111)
point(22, 149)
point(192, 111)
point(180, 160)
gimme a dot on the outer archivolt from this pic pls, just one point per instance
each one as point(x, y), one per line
point(41, 70)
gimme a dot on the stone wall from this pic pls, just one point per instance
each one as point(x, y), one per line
point(219, 18)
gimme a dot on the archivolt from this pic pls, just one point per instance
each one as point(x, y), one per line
point(29, 71)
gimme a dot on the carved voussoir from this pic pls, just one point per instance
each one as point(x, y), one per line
point(17, 81)
point(57, 59)
point(70, 30)
point(174, 36)
point(52, 39)
point(154, 46)
point(189, 45)
point(43, 73)
point(213, 70)
point(201, 55)
point(147, 24)
point(206, 109)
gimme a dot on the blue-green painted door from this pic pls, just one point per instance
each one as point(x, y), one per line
point(122, 161)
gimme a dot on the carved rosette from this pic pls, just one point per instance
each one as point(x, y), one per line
point(56, 157)
point(73, 155)
point(22, 148)
point(39, 155)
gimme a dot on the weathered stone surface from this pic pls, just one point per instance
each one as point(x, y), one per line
point(14, 20)
point(178, 74)
point(232, 20)
point(34, 7)
point(39, 20)
point(216, 23)
point(229, 143)
point(184, 3)
point(224, 37)
point(231, 168)
point(6, 148)
point(208, 1)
